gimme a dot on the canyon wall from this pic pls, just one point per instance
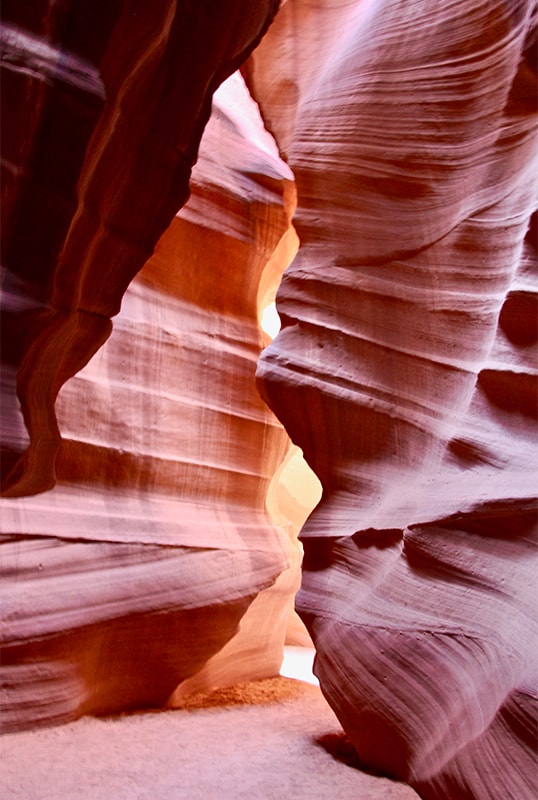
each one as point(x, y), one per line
point(406, 371)
point(104, 111)
point(139, 560)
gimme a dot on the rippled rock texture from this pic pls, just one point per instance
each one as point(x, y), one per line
point(406, 371)
point(150, 561)
point(405, 368)
point(102, 123)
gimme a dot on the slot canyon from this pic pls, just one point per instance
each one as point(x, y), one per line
point(182, 494)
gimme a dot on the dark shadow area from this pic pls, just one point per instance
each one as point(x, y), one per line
point(339, 746)
point(381, 539)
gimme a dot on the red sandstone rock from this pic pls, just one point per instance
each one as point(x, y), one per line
point(405, 368)
point(406, 371)
point(103, 121)
point(154, 561)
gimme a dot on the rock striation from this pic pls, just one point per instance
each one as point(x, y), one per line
point(152, 562)
point(406, 371)
point(97, 105)
point(139, 560)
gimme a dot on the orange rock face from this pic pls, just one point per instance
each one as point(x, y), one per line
point(154, 552)
point(140, 563)
point(97, 106)
point(406, 370)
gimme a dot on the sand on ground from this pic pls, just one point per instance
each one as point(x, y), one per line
point(274, 740)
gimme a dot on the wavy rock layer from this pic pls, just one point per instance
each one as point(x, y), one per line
point(406, 371)
point(103, 120)
point(153, 562)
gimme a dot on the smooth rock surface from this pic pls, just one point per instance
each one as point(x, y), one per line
point(103, 118)
point(405, 368)
point(406, 371)
point(154, 561)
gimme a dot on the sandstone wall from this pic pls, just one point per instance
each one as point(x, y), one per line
point(406, 370)
point(137, 547)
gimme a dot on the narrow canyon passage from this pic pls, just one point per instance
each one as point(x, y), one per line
point(151, 499)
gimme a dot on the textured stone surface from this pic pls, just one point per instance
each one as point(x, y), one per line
point(405, 368)
point(136, 570)
point(406, 371)
point(105, 107)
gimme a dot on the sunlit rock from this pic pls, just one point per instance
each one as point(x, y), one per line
point(154, 561)
point(148, 522)
point(406, 371)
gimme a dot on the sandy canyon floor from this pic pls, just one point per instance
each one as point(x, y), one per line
point(274, 739)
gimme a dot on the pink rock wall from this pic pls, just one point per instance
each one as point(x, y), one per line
point(153, 562)
point(406, 370)
point(98, 105)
